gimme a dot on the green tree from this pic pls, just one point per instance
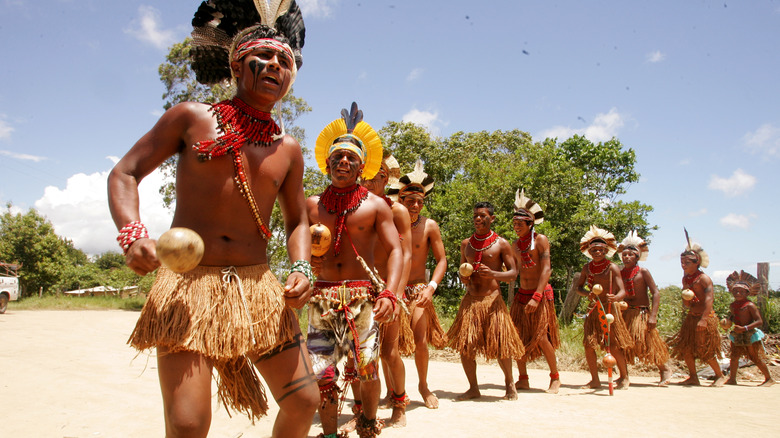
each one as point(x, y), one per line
point(30, 240)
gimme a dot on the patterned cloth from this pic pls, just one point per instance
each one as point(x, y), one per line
point(338, 312)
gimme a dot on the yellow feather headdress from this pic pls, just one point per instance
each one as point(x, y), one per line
point(337, 134)
point(596, 233)
point(633, 240)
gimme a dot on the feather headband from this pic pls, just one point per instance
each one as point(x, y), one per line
point(337, 135)
point(221, 25)
point(633, 241)
point(745, 280)
point(596, 234)
point(525, 207)
point(416, 182)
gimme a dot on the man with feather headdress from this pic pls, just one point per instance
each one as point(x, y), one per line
point(349, 298)
point(230, 313)
point(641, 314)
point(533, 310)
point(698, 337)
point(411, 190)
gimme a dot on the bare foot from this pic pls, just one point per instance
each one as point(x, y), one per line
point(554, 386)
point(469, 395)
point(666, 375)
point(430, 399)
point(720, 381)
point(522, 384)
point(768, 382)
point(511, 392)
point(690, 381)
point(398, 419)
point(731, 381)
point(593, 384)
point(623, 383)
point(350, 425)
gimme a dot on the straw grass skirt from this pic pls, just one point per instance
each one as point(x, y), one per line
point(483, 326)
point(225, 314)
point(648, 346)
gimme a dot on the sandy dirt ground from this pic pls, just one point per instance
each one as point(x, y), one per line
point(71, 374)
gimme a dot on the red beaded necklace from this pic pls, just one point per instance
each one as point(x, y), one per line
point(597, 268)
point(628, 279)
point(482, 242)
point(342, 201)
point(739, 305)
point(239, 124)
point(523, 243)
point(689, 280)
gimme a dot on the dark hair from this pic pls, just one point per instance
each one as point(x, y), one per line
point(485, 204)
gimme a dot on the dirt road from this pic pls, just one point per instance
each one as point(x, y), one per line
point(70, 374)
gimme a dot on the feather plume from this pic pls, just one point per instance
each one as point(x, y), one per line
point(415, 181)
point(745, 280)
point(704, 258)
point(596, 233)
point(633, 240)
point(523, 203)
point(353, 117)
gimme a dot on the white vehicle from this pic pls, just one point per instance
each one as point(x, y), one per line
point(9, 284)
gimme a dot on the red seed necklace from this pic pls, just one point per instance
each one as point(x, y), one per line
point(342, 201)
point(523, 243)
point(480, 243)
point(628, 279)
point(597, 268)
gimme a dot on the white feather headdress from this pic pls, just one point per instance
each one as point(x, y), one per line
point(696, 249)
point(596, 233)
point(524, 206)
point(417, 182)
point(633, 240)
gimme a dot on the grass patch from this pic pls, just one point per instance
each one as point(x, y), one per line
point(53, 302)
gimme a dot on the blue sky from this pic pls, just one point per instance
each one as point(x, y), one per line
point(690, 86)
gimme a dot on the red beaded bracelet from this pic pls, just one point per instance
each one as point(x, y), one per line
point(130, 233)
point(388, 294)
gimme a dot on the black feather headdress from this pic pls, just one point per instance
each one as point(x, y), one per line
point(218, 25)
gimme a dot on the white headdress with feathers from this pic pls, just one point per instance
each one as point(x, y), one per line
point(633, 240)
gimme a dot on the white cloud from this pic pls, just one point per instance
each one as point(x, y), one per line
point(147, 28)
point(414, 74)
point(764, 140)
point(316, 8)
point(603, 128)
point(732, 220)
point(79, 211)
point(719, 277)
point(428, 119)
point(656, 56)
point(25, 157)
point(700, 212)
point(738, 183)
point(5, 129)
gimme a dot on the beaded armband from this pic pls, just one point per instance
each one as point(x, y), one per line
point(304, 268)
point(388, 294)
point(130, 233)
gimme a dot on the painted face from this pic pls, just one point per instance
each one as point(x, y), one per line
point(266, 71)
point(739, 292)
point(629, 257)
point(344, 167)
point(482, 220)
point(376, 185)
point(521, 226)
point(688, 265)
point(414, 204)
point(598, 252)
